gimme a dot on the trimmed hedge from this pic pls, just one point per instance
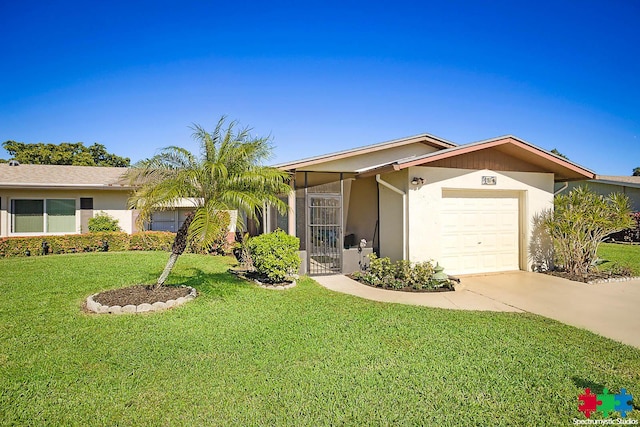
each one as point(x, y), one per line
point(88, 242)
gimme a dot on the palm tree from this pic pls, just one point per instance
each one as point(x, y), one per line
point(227, 175)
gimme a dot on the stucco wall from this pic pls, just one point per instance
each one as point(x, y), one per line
point(114, 205)
point(391, 221)
point(112, 202)
point(362, 211)
point(535, 190)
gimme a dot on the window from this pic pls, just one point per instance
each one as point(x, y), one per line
point(61, 215)
point(163, 221)
point(44, 216)
point(86, 203)
point(170, 220)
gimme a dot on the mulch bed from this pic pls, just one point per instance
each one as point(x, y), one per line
point(407, 288)
point(252, 276)
point(590, 277)
point(140, 294)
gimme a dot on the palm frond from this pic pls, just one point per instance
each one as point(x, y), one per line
point(227, 175)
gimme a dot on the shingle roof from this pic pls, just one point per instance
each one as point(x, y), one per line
point(562, 168)
point(423, 138)
point(619, 178)
point(26, 176)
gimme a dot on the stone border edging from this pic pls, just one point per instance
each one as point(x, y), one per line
point(98, 308)
point(613, 280)
point(276, 287)
point(265, 285)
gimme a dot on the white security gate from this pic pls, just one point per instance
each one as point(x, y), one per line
point(480, 231)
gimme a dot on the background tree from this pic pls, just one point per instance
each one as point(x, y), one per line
point(64, 154)
point(636, 171)
point(580, 221)
point(557, 153)
point(227, 175)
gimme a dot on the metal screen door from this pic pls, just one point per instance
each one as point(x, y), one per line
point(324, 244)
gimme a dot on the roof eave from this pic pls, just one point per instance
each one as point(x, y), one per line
point(26, 186)
point(482, 145)
point(618, 183)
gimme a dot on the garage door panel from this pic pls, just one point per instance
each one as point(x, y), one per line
point(479, 233)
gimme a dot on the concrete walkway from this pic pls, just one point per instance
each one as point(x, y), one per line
point(608, 309)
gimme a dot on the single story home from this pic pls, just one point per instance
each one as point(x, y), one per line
point(471, 208)
point(607, 184)
point(52, 199)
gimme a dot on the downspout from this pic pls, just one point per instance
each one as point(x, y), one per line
point(404, 213)
point(561, 189)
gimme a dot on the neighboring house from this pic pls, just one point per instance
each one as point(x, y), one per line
point(51, 199)
point(471, 207)
point(607, 184)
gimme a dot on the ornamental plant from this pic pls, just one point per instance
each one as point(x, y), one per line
point(228, 174)
point(275, 255)
point(580, 221)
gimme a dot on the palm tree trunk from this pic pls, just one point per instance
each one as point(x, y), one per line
point(167, 270)
point(179, 245)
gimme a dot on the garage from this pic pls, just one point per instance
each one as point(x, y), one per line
point(480, 231)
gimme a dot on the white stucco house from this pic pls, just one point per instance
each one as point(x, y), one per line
point(469, 207)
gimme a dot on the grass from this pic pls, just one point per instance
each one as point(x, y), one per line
point(243, 355)
point(620, 255)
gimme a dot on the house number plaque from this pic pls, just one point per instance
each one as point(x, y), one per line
point(489, 180)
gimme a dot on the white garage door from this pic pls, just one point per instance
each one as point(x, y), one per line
point(479, 232)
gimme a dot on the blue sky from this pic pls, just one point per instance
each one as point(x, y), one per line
point(325, 76)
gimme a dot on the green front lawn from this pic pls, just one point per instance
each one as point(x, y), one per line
point(621, 255)
point(243, 355)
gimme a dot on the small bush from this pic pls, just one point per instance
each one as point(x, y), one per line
point(421, 277)
point(103, 222)
point(275, 255)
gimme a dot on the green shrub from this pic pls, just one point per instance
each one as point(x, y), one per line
point(103, 222)
point(381, 268)
point(422, 276)
point(275, 255)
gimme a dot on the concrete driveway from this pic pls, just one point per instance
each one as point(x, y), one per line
point(608, 309)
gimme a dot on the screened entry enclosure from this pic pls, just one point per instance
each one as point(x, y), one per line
point(320, 216)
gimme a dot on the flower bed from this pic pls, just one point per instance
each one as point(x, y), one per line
point(404, 276)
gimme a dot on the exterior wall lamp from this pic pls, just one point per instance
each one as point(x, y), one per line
point(417, 180)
